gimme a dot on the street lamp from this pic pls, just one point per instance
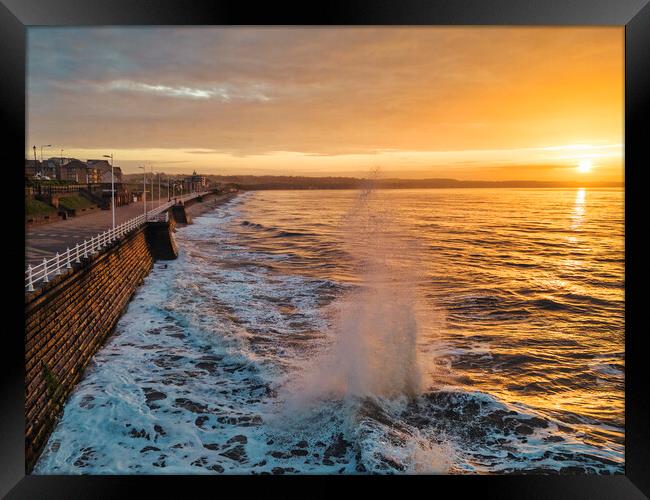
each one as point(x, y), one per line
point(44, 146)
point(151, 169)
point(112, 187)
point(144, 191)
point(60, 165)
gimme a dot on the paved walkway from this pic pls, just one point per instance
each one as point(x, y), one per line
point(47, 239)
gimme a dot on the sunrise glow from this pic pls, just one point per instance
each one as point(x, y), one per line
point(465, 103)
point(585, 166)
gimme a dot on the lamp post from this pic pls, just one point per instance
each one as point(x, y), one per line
point(151, 170)
point(60, 165)
point(144, 191)
point(44, 146)
point(112, 187)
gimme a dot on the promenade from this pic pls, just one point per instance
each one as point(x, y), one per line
point(43, 241)
point(47, 239)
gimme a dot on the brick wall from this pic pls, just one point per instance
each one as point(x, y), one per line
point(69, 319)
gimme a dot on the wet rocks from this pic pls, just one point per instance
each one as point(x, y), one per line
point(159, 430)
point(282, 470)
point(238, 453)
point(299, 452)
point(209, 366)
point(239, 438)
point(167, 361)
point(233, 368)
point(149, 448)
point(86, 402)
point(524, 430)
point(152, 395)
point(201, 420)
point(217, 468)
point(537, 422)
point(87, 454)
point(392, 463)
point(338, 448)
point(139, 434)
point(190, 405)
point(243, 421)
point(211, 357)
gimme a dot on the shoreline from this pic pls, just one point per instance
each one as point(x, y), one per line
point(210, 203)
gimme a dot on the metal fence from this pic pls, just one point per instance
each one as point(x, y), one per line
point(49, 189)
point(61, 261)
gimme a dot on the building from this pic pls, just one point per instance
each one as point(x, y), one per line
point(72, 170)
point(49, 166)
point(122, 196)
point(93, 175)
point(64, 169)
point(195, 182)
point(102, 166)
point(32, 169)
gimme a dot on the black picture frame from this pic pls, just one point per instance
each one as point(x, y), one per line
point(16, 15)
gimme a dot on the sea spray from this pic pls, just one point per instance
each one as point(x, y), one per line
point(357, 388)
point(374, 326)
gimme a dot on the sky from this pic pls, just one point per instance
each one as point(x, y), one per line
point(470, 103)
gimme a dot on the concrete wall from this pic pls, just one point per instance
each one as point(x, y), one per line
point(69, 319)
point(179, 214)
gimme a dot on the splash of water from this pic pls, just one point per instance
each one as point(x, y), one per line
point(375, 326)
point(371, 372)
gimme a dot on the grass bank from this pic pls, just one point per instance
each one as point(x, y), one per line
point(75, 202)
point(34, 208)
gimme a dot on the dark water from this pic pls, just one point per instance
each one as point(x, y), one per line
point(452, 331)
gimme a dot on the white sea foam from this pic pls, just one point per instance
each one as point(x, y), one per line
point(235, 359)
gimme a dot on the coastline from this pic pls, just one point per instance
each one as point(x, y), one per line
point(210, 203)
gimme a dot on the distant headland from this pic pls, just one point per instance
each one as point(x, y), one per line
point(255, 182)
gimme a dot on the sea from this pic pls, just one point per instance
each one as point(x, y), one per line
point(425, 331)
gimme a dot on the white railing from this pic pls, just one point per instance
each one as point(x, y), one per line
point(64, 260)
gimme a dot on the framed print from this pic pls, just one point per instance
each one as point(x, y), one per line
point(364, 242)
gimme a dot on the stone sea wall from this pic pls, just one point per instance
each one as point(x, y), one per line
point(69, 319)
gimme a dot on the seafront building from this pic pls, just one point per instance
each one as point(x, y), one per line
point(95, 175)
point(195, 182)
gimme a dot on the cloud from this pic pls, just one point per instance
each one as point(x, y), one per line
point(223, 92)
point(323, 92)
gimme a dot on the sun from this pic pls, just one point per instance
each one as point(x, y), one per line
point(585, 166)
